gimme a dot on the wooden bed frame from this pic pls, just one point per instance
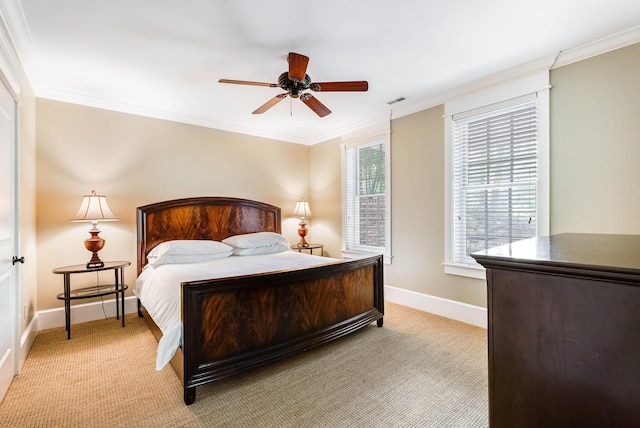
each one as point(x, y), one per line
point(234, 324)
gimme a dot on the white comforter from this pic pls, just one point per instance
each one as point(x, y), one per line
point(158, 288)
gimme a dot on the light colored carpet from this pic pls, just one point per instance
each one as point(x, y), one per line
point(419, 370)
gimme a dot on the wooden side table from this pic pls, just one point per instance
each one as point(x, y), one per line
point(117, 288)
point(309, 248)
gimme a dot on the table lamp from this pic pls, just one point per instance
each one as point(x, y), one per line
point(94, 208)
point(302, 210)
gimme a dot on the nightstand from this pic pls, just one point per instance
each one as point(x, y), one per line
point(117, 288)
point(309, 248)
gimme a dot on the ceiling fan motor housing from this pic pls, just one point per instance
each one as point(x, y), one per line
point(294, 88)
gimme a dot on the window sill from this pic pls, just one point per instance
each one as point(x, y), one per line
point(465, 270)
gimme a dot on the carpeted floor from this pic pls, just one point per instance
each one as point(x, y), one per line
point(419, 370)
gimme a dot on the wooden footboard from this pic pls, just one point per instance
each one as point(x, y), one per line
point(234, 324)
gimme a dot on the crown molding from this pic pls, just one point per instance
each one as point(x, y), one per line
point(12, 72)
point(550, 62)
point(16, 50)
point(598, 47)
point(115, 106)
point(513, 74)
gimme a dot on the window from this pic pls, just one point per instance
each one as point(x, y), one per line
point(497, 172)
point(495, 176)
point(366, 196)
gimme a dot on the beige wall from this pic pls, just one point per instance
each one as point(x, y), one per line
point(417, 184)
point(595, 144)
point(417, 212)
point(135, 161)
point(325, 178)
point(595, 106)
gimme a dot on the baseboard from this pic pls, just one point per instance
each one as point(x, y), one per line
point(469, 314)
point(26, 340)
point(51, 318)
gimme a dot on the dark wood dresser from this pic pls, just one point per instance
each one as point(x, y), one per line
point(564, 331)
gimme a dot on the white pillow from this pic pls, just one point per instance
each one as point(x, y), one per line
point(258, 239)
point(187, 251)
point(267, 249)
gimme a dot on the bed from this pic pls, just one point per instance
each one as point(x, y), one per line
point(236, 323)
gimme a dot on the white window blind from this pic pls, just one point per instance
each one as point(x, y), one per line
point(495, 179)
point(365, 197)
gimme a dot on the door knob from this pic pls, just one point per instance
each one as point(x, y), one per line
point(17, 260)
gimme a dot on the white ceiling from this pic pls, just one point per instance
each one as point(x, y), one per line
point(163, 58)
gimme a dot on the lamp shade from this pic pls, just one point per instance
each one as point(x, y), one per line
point(94, 208)
point(302, 209)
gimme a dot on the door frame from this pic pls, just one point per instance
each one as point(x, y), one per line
point(11, 359)
point(15, 230)
point(14, 80)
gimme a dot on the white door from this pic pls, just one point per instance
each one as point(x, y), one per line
point(8, 240)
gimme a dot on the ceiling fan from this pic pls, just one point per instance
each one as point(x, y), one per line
point(296, 81)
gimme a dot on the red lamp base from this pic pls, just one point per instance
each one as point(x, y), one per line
point(303, 232)
point(94, 244)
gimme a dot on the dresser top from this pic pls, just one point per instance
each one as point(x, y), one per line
point(586, 251)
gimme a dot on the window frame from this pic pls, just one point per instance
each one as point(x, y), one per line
point(481, 101)
point(380, 133)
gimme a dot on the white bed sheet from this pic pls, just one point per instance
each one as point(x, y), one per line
point(158, 288)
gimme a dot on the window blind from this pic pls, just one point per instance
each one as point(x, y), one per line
point(365, 196)
point(495, 179)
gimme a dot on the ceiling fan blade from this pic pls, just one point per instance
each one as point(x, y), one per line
point(246, 82)
point(315, 105)
point(354, 86)
point(273, 101)
point(297, 66)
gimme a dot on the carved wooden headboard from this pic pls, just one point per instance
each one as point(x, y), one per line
point(212, 218)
